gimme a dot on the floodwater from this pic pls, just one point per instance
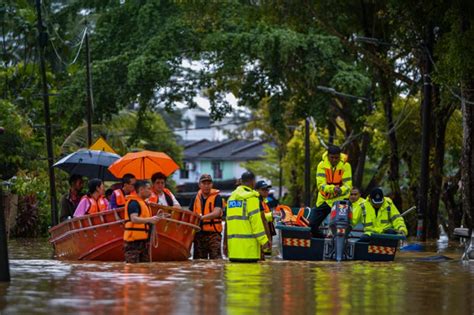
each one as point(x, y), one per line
point(41, 285)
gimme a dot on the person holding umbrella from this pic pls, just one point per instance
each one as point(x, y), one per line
point(71, 199)
point(94, 201)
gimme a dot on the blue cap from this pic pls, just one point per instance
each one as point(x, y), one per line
point(262, 184)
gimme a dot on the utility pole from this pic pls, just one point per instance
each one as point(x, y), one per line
point(4, 262)
point(425, 140)
point(89, 90)
point(42, 39)
point(307, 166)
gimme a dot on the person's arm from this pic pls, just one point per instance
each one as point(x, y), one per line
point(356, 214)
point(136, 219)
point(347, 179)
point(65, 211)
point(216, 212)
point(397, 220)
point(82, 208)
point(256, 221)
point(321, 180)
point(107, 203)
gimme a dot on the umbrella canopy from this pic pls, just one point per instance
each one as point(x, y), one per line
point(89, 163)
point(143, 164)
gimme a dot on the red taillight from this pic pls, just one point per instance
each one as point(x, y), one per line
point(333, 214)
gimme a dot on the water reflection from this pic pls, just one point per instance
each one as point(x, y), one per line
point(44, 286)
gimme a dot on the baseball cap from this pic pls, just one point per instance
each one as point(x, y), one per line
point(376, 196)
point(262, 184)
point(205, 177)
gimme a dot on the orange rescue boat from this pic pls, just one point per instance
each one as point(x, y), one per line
point(99, 236)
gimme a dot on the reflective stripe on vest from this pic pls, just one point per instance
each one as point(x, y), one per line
point(212, 225)
point(136, 231)
point(230, 236)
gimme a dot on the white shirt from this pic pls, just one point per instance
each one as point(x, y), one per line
point(162, 200)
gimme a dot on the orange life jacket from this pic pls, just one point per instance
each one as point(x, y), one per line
point(95, 205)
point(265, 206)
point(332, 178)
point(136, 231)
point(120, 198)
point(288, 218)
point(168, 196)
point(212, 225)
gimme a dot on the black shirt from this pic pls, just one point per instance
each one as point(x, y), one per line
point(218, 202)
point(133, 207)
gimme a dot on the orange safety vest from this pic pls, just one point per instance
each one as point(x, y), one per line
point(332, 178)
point(136, 231)
point(265, 206)
point(168, 196)
point(120, 198)
point(95, 205)
point(212, 225)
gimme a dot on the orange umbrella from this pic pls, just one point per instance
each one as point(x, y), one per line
point(143, 164)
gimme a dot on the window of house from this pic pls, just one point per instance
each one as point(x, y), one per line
point(217, 169)
point(202, 122)
point(184, 172)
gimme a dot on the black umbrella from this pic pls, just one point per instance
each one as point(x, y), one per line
point(89, 163)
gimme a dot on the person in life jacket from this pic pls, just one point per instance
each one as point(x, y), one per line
point(245, 230)
point(334, 181)
point(138, 218)
point(160, 194)
point(378, 214)
point(263, 189)
point(94, 201)
point(355, 197)
point(118, 198)
point(208, 204)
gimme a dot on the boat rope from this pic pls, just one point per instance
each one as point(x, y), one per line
point(153, 235)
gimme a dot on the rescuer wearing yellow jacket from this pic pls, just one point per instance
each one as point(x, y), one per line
point(378, 214)
point(245, 230)
point(355, 197)
point(334, 180)
point(138, 218)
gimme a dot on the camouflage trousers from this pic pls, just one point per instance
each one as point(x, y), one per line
point(207, 245)
point(136, 251)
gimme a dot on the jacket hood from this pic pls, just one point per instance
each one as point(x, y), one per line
point(243, 192)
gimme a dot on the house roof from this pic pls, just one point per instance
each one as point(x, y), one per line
point(229, 150)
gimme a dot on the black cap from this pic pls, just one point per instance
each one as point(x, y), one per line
point(262, 184)
point(247, 176)
point(376, 196)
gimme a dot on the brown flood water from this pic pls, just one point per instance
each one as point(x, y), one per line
point(41, 285)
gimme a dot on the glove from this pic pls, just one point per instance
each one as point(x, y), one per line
point(337, 191)
point(402, 233)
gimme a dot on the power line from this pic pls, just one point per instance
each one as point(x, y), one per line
point(78, 51)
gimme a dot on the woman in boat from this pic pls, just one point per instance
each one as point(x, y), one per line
point(94, 201)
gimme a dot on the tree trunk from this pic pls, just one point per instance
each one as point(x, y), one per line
point(358, 174)
point(467, 159)
point(450, 189)
point(440, 119)
point(393, 174)
point(377, 177)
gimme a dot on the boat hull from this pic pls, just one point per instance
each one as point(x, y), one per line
point(99, 237)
